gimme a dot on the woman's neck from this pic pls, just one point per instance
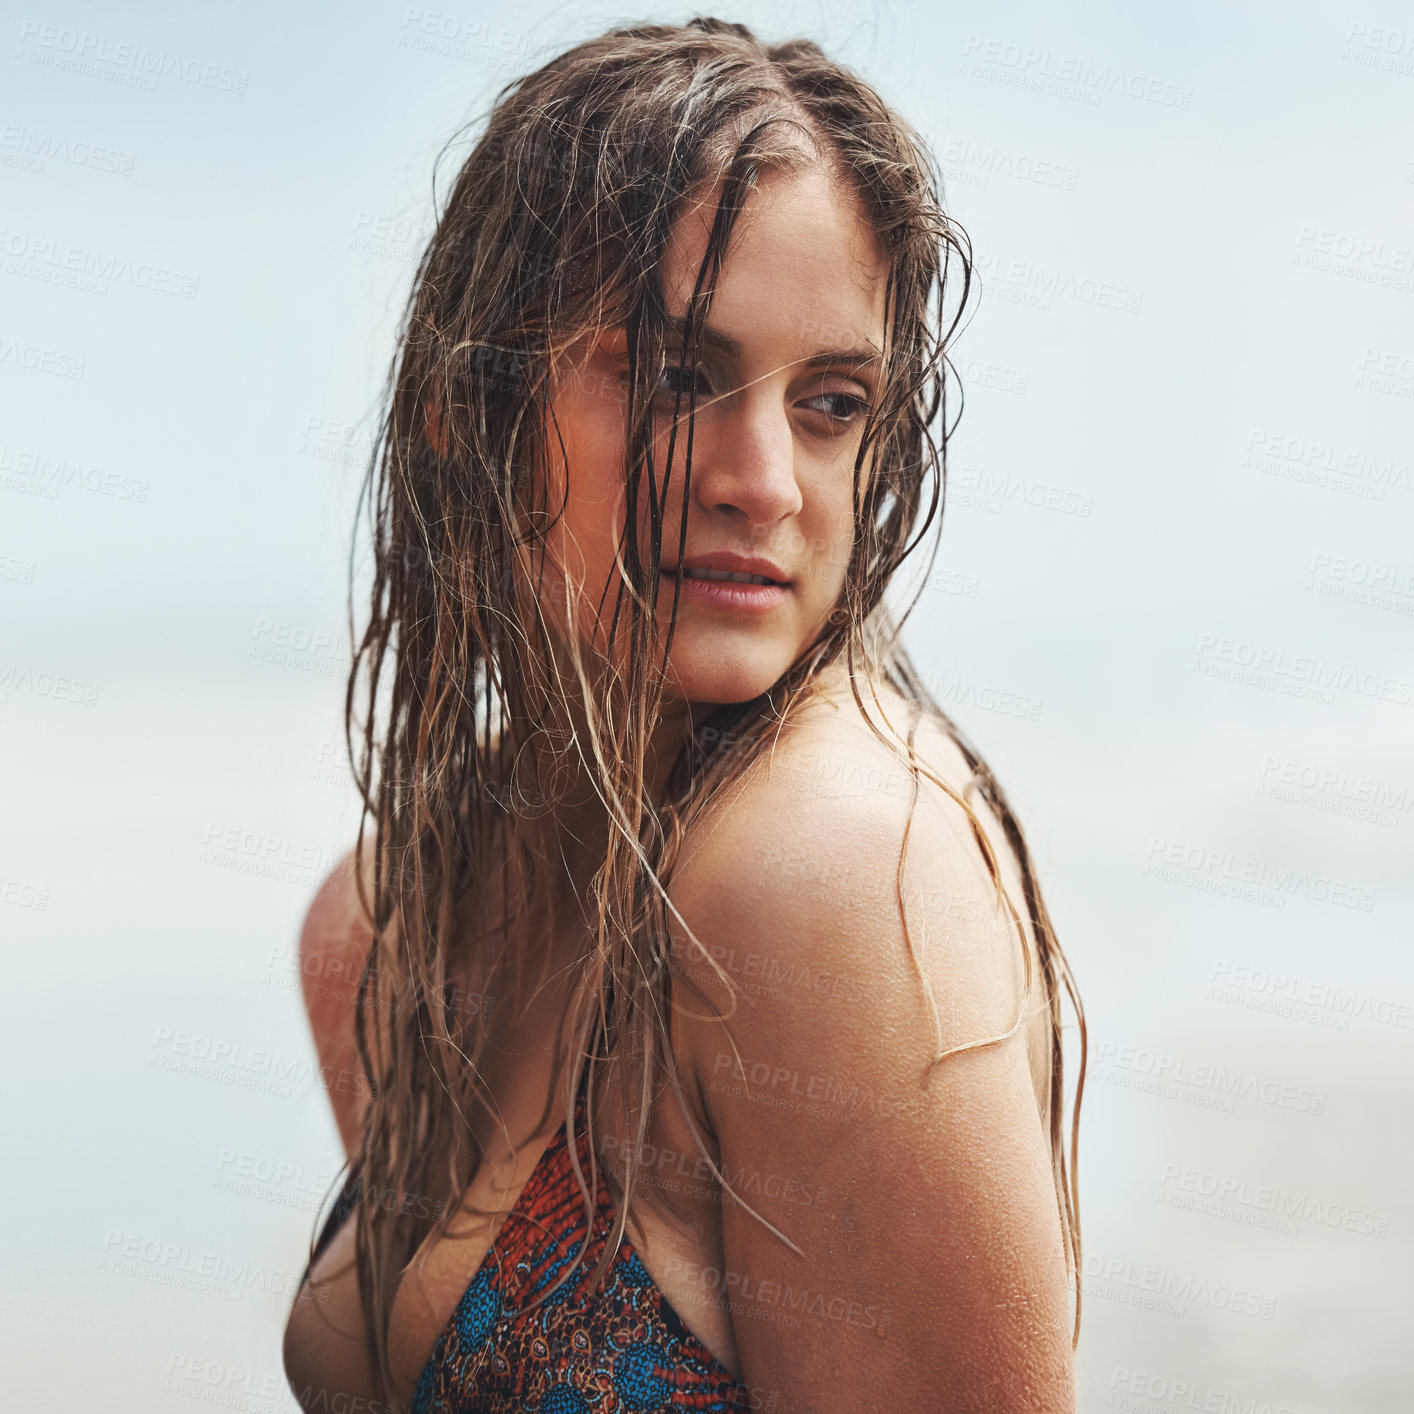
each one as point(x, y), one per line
point(566, 820)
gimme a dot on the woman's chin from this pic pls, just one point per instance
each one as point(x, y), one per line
point(720, 673)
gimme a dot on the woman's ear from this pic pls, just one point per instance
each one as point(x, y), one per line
point(436, 432)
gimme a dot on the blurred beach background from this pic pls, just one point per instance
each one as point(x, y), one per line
point(1173, 606)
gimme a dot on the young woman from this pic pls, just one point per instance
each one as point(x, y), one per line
point(706, 1051)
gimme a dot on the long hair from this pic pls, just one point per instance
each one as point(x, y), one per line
point(557, 222)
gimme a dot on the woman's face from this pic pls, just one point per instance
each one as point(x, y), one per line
point(784, 378)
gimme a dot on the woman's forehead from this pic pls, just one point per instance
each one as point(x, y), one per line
point(802, 266)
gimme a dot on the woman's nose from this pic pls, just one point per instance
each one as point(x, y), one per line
point(748, 462)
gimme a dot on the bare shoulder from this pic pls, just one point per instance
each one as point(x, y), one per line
point(838, 992)
point(333, 946)
point(830, 797)
point(860, 863)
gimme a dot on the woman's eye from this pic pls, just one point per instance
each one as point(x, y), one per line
point(675, 381)
point(842, 408)
point(677, 378)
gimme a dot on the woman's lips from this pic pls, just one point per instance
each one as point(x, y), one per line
point(727, 593)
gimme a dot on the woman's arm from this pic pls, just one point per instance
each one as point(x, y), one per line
point(932, 1271)
point(333, 946)
point(325, 1356)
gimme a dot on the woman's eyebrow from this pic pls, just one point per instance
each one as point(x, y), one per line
point(860, 356)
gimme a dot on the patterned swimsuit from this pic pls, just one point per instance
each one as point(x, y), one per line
point(619, 1348)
